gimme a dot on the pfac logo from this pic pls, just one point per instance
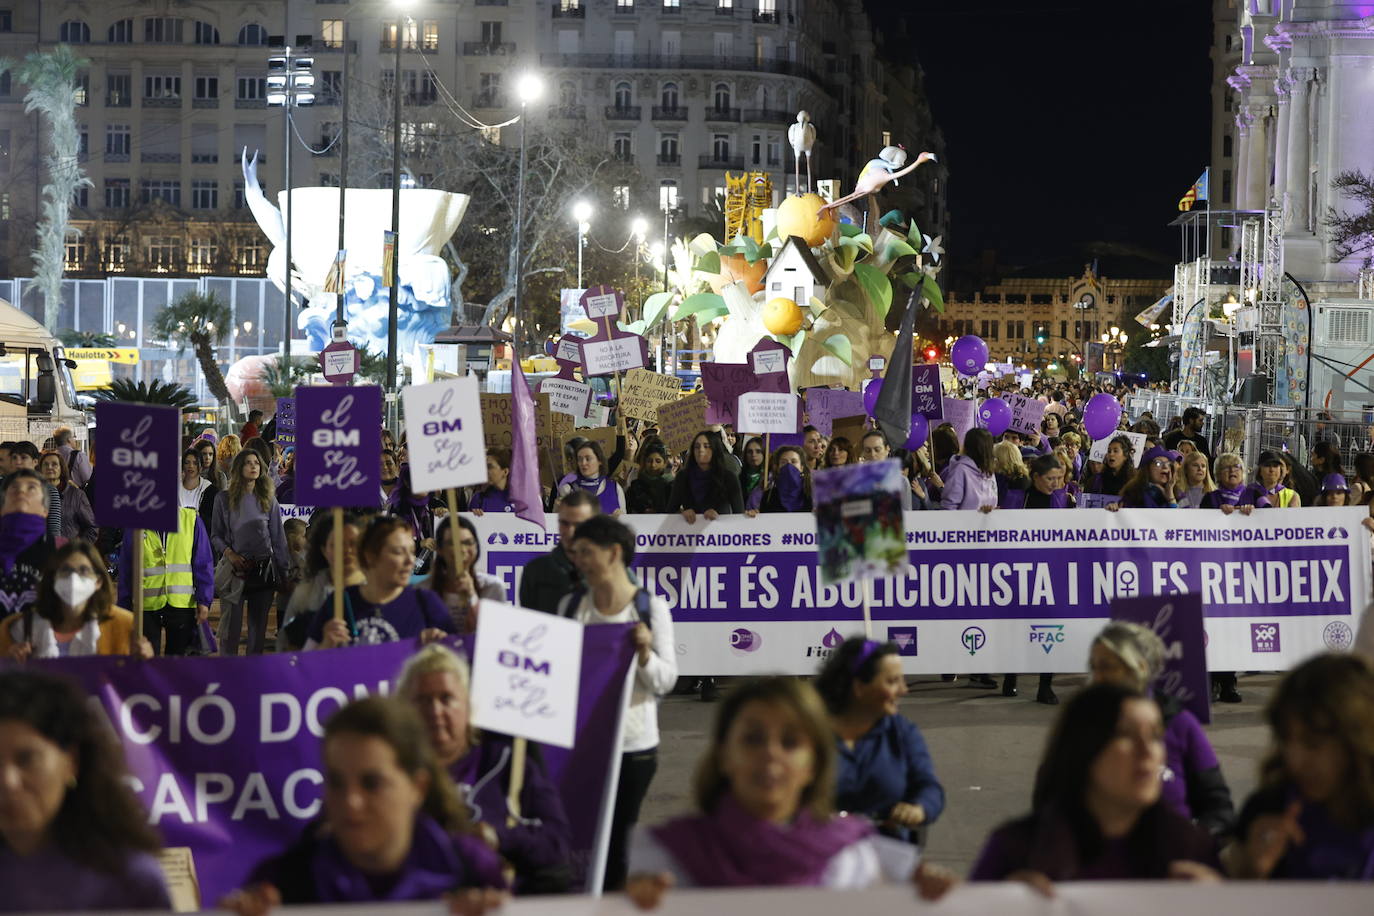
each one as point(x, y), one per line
point(1338, 636)
point(905, 639)
point(1264, 637)
point(1047, 635)
point(743, 642)
point(829, 643)
point(973, 639)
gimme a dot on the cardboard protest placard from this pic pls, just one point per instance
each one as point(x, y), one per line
point(525, 672)
point(927, 398)
point(851, 428)
point(1178, 621)
point(139, 450)
point(643, 391)
point(681, 420)
point(725, 382)
point(285, 422)
point(960, 414)
point(823, 405)
point(603, 302)
point(552, 429)
point(603, 436)
point(596, 416)
point(566, 397)
point(179, 874)
point(1026, 413)
point(1099, 450)
point(859, 529)
point(766, 412)
point(444, 434)
point(339, 457)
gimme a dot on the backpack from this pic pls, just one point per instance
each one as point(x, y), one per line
point(575, 598)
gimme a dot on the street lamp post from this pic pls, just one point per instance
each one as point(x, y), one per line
point(582, 213)
point(395, 278)
point(1114, 342)
point(528, 88)
point(290, 84)
point(639, 228)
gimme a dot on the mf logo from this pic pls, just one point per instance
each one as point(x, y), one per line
point(973, 639)
point(1047, 635)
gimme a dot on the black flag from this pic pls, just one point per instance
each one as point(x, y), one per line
point(893, 408)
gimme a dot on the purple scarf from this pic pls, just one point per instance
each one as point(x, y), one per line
point(603, 489)
point(699, 483)
point(434, 867)
point(730, 848)
point(18, 532)
point(789, 484)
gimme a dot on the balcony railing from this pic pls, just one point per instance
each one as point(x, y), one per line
point(568, 112)
point(205, 103)
point(770, 16)
point(627, 158)
point(769, 115)
point(560, 11)
point(722, 114)
point(161, 102)
point(204, 158)
point(488, 100)
point(334, 46)
point(669, 159)
point(725, 10)
point(626, 113)
point(159, 157)
point(415, 98)
point(675, 10)
point(676, 113)
point(116, 157)
point(487, 48)
point(712, 161)
point(678, 62)
point(250, 103)
point(117, 101)
point(493, 2)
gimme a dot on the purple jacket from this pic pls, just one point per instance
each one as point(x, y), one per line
point(202, 568)
point(966, 487)
point(1016, 499)
point(541, 839)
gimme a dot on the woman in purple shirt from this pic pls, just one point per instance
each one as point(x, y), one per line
point(1312, 818)
point(592, 476)
point(1132, 656)
point(72, 835)
point(494, 495)
point(1097, 813)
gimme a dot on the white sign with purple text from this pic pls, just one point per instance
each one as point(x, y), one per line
point(525, 671)
point(444, 434)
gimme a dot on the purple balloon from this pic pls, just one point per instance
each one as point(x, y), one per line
point(995, 415)
point(871, 391)
point(969, 355)
point(1101, 415)
point(920, 428)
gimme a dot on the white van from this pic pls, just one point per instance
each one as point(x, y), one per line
point(36, 390)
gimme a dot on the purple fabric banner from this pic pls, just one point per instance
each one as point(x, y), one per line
point(339, 453)
point(225, 752)
point(139, 448)
point(1178, 620)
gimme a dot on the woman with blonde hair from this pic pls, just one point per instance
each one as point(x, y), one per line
point(225, 453)
point(248, 532)
point(1009, 468)
point(1194, 482)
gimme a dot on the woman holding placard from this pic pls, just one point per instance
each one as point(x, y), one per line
point(705, 486)
point(248, 534)
point(593, 476)
point(1115, 472)
point(494, 495)
point(461, 589)
point(435, 681)
point(317, 587)
point(384, 608)
point(764, 790)
point(391, 827)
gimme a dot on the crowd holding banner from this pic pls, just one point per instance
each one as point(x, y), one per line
point(372, 544)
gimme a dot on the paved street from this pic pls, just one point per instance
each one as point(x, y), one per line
point(985, 748)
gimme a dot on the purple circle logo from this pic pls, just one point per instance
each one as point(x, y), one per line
point(744, 641)
point(1338, 636)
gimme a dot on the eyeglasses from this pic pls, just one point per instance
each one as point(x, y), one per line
point(1162, 463)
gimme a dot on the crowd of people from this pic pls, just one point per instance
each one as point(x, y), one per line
point(805, 783)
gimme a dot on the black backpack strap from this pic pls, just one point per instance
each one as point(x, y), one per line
point(573, 599)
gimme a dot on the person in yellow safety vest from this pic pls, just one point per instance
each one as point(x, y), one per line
point(178, 581)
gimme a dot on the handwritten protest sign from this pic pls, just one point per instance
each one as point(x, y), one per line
point(851, 428)
point(286, 422)
point(1177, 620)
point(823, 405)
point(551, 430)
point(1025, 413)
point(444, 434)
point(766, 412)
point(725, 382)
point(139, 452)
point(525, 668)
point(565, 397)
point(1099, 450)
point(339, 458)
point(926, 396)
point(681, 420)
point(961, 415)
point(643, 391)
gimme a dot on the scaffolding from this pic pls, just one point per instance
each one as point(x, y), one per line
point(746, 197)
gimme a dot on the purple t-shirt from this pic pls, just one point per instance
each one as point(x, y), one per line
point(1187, 752)
point(48, 880)
point(414, 610)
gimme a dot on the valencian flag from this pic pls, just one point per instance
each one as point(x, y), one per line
point(1196, 193)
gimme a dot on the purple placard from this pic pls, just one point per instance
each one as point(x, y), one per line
point(286, 422)
point(823, 405)
point(927, 397)
point(339, 446)
point(725, 382)
point(1025, 413)
point(961, 415)
point(138, 446)
point(1177, 619)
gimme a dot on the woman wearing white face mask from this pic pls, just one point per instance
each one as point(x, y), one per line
point(73, 614)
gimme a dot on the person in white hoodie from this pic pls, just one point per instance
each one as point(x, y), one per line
point(602, 549)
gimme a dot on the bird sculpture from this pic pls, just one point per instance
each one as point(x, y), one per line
point(878, 172)
point(802, 137)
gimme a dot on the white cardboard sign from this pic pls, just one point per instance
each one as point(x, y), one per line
point(444, 432)
point(1099, 450)
point(525, 670)
point(619, 354)
point(571, 398)
point(767, 412)
point(766, 362)
point(606, 305)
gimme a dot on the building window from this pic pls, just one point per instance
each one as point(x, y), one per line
point(74, 257)
point(116, 193)
point(668, 98)
point(204, 252)
point(623, 95)
point(429, 35)
point(1226, 186)
point(567, 94)
point(162, 30)
point(240, 201)
point(81, 197)
point(83, 141)
point(118, 90)
point(206, 34)
point(207, 87)
point(6, 84)
point(116, 139)
point(620, 197)
point(166, 191)
point(1227, 146)
point(162, 86)
point(667, 148)
point(490, 90)
point(623, 147)
point(74, 32)
point(116, 253)
point(162, 253)
point(331, 33)
point(667, 195)
point(204, 195)
point(252, 88)
point(624, 6)
point(82, 97)
point(721, 97)
point(720, 147)
point(725, 4)
point(252, 34)
point(412, 35)
point(672, 4)
point(250, 256)
point(121, 33)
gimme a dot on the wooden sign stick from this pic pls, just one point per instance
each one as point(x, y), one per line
point(452, 495)
point(517, 781)
point(338, 564)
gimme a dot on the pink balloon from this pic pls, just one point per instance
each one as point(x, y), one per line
point(995, 415)
point(969, 355)
point(1101, 415)
point(871, 391)
point(920, 429)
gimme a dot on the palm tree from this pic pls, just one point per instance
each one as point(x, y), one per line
point(201, 321)
point(283, 384)
point(155, 392)
point(87, 339)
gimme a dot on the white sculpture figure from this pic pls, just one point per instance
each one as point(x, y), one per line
point(802, 137)
point(878, 172)
point(428, 219)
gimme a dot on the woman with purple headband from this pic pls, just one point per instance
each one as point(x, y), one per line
point(884, 769)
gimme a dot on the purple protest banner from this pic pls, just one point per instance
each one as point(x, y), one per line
point(824, 405)
point(225, 752)
point(927, 397)
point(339, 446)
point(139, 446)
point(1176, 619)
point(285, 422)
point(725, 382)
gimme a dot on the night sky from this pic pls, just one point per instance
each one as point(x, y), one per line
point(1065, 121)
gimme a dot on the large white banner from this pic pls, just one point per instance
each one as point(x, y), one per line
point(746, 597)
